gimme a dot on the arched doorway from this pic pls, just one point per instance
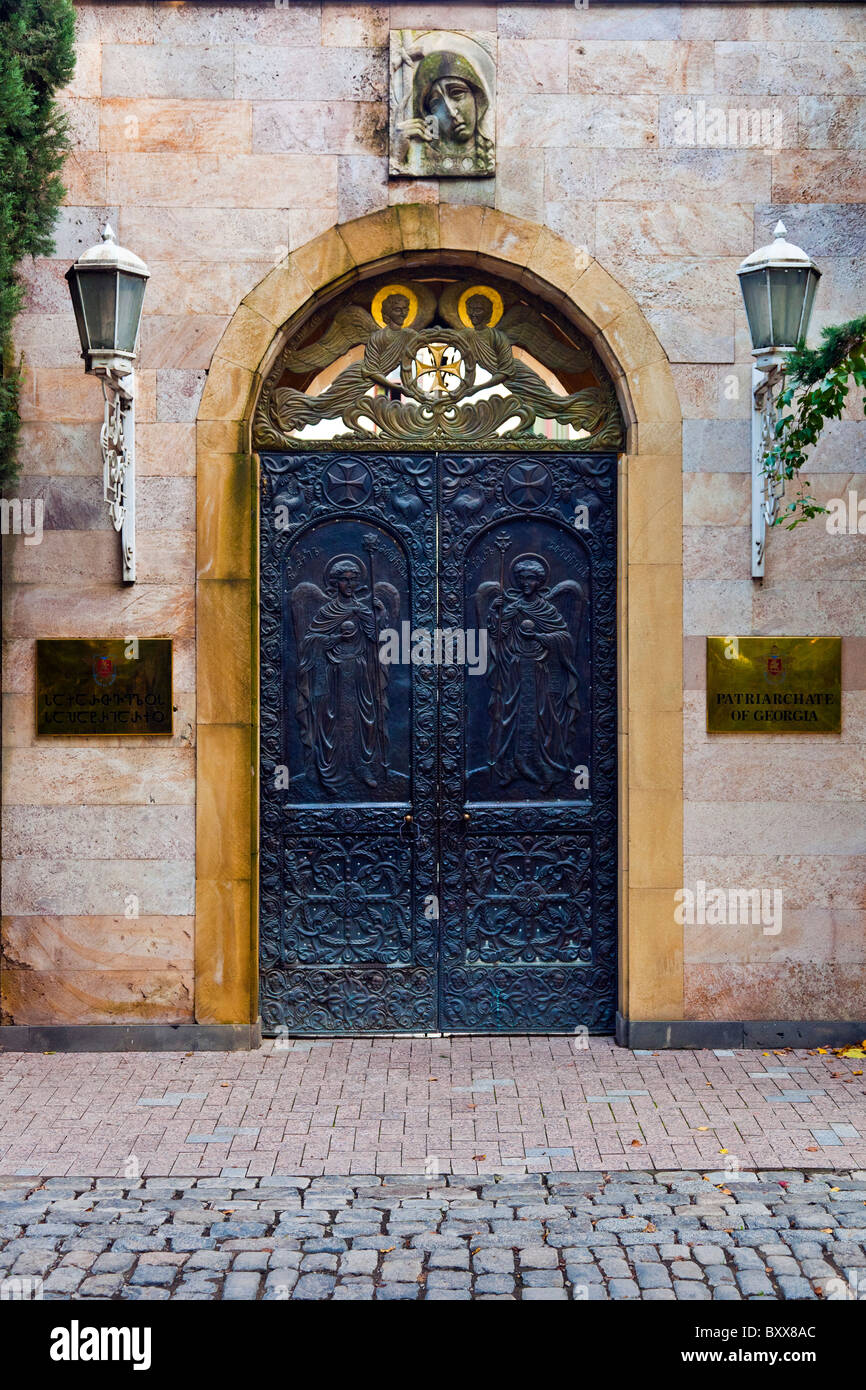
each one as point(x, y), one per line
point(438, 457)
point(394, 246)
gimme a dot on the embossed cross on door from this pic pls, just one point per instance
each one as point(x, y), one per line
point(438, 742)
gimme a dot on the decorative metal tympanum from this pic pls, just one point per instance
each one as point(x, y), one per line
point(438, 361)
point(438, 696)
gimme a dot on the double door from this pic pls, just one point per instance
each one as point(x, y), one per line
point(438, 742)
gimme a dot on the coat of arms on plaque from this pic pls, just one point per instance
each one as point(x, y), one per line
point(104, 671)
point(775, 665)
point(442, 95)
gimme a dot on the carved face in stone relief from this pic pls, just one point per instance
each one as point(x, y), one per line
point(448, 88)
point(452, 102)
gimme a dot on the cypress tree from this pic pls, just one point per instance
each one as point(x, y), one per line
point(37, 58)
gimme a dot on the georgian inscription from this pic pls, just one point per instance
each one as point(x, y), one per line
point(92, 687)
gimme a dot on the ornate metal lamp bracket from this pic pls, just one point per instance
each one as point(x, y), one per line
point(117, 440)
point(768, 381)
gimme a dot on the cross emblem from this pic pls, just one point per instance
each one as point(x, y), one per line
point(527, 484)
point(346, 483)
point(443, 363)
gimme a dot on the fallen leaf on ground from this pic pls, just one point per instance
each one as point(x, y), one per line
point(703, 1128)
point(478, 1157)
point(649, 1227)
point(636, 1144)
point(812, 1151)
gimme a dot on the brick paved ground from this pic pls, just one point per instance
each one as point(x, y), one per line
point(393, 1105)
point(618, 1235)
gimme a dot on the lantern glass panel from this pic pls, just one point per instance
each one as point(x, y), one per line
point(757, 302)
point(98, 294)
point(80, 323)
point(130, 296)
point(811, 287)
point(788, 289)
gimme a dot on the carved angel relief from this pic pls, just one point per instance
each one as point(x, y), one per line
point(533, 676)
point(461, 381)
point(342, 705)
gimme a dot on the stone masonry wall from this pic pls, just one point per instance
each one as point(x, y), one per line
point(217, 137)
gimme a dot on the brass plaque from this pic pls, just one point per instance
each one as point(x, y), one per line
point(774, 685)
point(88, 687)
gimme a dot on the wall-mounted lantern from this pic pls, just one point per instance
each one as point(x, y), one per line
point(107, 285)
point(778, 282)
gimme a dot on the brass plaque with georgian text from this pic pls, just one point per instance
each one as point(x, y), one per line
point(93, 687)
point(774, 685)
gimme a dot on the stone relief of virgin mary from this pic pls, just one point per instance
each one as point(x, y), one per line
point(442, 93)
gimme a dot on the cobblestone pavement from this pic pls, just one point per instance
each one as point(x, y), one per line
point(612, 1235)
point(469, 1105)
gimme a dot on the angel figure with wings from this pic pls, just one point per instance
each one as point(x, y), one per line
point(387, 331)
point(532, 671)
point(496, 334)
point(342, 703)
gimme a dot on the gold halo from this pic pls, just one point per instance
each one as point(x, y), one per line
point(488, 293)
point(385, 293)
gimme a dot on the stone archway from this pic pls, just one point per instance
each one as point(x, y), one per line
point(649, 602)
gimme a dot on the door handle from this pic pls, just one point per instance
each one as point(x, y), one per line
point(408, 828)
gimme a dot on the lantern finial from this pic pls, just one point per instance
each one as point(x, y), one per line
point(780, 231)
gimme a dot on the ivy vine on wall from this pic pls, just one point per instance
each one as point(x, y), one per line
point(37, 59)
point(819, 380)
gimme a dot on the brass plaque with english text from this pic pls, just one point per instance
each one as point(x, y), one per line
point(774, 685)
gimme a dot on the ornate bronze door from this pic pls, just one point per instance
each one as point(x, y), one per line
point(348, 744)
point(528, 750)
point(438, 829)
